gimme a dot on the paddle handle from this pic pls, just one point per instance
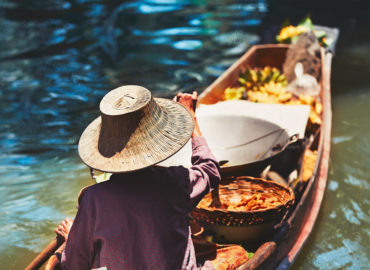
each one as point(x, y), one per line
point(45, 254)
point(54, 261)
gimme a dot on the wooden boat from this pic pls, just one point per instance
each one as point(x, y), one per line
point(282, 249)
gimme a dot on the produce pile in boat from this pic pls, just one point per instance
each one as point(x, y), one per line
point(298, 84)
point(269, 85)
point(266, 84)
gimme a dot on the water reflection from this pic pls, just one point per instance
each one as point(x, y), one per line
point(341, 239)
point(59, 58)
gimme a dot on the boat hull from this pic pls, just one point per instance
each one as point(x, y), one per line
point(282, 250)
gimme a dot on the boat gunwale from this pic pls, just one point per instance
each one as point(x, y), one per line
point(321, 171)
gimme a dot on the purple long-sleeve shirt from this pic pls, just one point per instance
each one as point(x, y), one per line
point(140, 220)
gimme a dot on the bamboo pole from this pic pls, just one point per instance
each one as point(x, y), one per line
point(53, 263)
point(45, 254)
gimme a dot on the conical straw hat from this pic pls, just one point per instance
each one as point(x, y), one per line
point(134, 131)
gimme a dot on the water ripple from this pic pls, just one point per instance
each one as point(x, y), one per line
point(59, 58)
point(350, 255)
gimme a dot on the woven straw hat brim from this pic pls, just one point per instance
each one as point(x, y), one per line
point(157, 137)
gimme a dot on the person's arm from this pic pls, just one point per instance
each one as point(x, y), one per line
point(204, 174)
point(78, 250)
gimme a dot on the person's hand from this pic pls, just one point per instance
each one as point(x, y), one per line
point(189, 101)
point(64, 228)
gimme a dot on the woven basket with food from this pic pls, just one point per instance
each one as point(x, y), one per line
point(243, 200)
point(243, 208)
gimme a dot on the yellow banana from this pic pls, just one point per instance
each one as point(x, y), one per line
point(253, 75)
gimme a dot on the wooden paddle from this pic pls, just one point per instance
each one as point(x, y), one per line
point(45, 254)
point(54, 261)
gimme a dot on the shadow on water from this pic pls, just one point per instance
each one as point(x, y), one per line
point(59, 58)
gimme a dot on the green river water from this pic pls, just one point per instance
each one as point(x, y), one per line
point(59, 58)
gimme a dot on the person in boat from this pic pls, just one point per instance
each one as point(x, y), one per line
point(139, 219)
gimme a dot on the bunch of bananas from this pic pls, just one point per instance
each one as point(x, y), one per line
point(260, 85)
point(253, 79)
point(234, 93)
point(268, 85)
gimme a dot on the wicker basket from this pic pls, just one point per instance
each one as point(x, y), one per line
point(244, 185)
